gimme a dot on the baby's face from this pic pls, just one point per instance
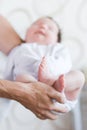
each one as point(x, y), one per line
point(43, 31)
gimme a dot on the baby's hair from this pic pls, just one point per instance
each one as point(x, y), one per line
point(59, 33)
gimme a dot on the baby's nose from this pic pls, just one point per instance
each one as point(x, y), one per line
point(44, 26)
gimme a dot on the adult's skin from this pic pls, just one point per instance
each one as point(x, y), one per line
point(28, 94)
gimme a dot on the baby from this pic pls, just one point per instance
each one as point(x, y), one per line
point(45, 59)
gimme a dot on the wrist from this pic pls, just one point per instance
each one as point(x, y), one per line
point(12, 90)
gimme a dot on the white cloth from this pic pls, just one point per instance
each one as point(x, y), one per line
point(69, 105)
point(27, 57)
point(5, 106)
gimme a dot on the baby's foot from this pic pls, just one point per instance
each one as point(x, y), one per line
point(64, 85)
point(43, 73)
point(59, 84)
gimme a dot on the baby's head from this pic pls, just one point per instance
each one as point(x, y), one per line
point(44, 31)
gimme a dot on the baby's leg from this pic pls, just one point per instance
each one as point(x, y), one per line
point(43, 74)
point(72, 83)
point(25, 78)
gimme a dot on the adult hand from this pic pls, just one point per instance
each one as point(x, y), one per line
point(37, 97)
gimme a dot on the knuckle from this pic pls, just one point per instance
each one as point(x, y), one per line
point(43, 112)
point(49, 108)
point(50, 90)
point(61, 98)
point(38, 105)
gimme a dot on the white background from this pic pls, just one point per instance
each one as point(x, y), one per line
point(71, 15)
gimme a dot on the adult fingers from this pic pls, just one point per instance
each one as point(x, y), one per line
point(57, 96)
point(60, 108)
point(40, 116)
point(48, 115)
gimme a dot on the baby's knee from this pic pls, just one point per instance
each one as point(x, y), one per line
point(79, 76)
point(81, 79)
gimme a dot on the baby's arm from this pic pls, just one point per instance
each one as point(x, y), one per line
point(25, 78)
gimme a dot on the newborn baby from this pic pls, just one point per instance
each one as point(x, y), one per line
point(45, 59)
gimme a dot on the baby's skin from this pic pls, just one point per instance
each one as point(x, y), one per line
point(64, 83)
